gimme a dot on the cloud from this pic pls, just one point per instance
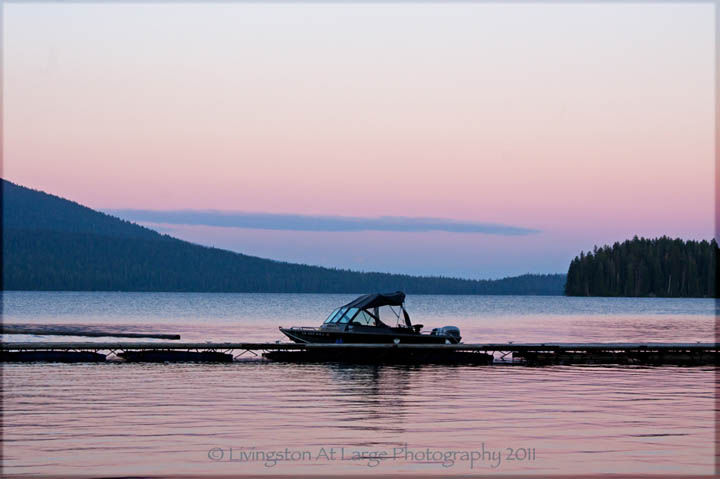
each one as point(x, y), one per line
point(293, 222)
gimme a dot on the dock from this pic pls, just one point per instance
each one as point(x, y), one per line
point(530, 354)
point(45, 330)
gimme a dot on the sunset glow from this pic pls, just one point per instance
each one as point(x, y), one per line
point(588, 123)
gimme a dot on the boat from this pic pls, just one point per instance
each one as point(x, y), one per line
point(359, 321)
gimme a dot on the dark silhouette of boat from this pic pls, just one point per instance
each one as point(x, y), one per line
point(359, 322)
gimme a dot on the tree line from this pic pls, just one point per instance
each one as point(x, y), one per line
point(646, 267)
point(71, 261)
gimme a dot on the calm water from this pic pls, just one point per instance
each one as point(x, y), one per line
point(256, 417)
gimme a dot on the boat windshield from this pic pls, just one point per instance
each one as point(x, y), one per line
point(348, 315)
point(339, 315)
point(360, 317)
point(332, 315)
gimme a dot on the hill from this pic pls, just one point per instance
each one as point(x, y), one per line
point(646, 267)
point(50, 243)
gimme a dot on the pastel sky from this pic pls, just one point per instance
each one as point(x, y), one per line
point(579, 124)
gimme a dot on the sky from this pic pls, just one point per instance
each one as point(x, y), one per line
point(479, 140)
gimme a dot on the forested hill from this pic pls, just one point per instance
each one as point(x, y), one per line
point(32, 210)
point(50, 243)
point(646, 267)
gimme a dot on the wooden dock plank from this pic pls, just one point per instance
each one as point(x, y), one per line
point(71, 331)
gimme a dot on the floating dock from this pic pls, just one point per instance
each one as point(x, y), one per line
point(44, 330)
point(531, 354)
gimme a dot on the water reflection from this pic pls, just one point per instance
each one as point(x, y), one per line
point(372, 396)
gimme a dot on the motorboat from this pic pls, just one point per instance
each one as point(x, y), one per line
point(360, 321)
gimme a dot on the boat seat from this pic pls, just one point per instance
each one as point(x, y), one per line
point(418, 327)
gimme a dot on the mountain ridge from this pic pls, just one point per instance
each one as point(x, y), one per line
point(52, 243)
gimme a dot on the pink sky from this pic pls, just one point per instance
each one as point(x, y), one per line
point(589, 122)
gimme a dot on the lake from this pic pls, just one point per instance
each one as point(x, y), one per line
point(255, 417)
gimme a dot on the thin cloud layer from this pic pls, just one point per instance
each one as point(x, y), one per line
point(293, 222)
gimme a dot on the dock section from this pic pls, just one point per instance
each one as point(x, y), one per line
point(531, 354)
point(79, 330)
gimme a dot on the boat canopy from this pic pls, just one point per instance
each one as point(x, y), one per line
point(377, 300)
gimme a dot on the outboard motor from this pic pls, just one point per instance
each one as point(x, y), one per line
point(453, 331)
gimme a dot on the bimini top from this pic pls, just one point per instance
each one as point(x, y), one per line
point(376, 300)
